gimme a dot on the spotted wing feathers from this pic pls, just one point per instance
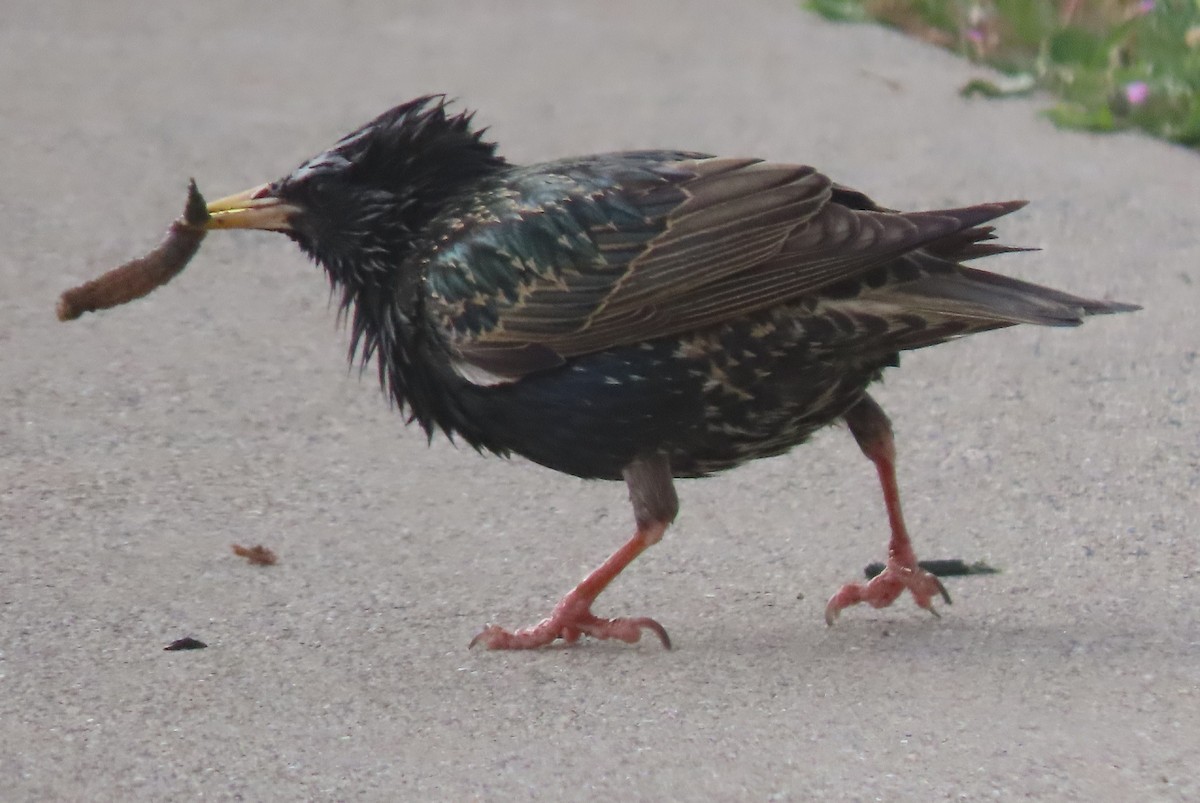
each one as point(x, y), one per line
point(651, 247)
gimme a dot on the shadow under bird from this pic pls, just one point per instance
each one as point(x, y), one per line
point(643, 315)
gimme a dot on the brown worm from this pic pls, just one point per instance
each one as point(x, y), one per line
point(137, 277)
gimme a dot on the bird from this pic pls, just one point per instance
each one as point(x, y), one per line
point(637, 316)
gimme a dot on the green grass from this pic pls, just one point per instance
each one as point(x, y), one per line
point(1114, 64)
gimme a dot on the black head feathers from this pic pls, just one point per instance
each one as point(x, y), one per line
point(370, 193)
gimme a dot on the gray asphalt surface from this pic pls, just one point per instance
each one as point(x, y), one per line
point(138, 444)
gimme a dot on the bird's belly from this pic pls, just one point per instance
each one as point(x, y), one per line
point(708, 409)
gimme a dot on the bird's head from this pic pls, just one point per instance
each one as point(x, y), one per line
point(356, 207)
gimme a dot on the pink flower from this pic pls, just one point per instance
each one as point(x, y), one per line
point(1144, 7)
point(1136, 92)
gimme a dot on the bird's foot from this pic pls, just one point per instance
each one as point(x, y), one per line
point(571, 618)
point(883, 589)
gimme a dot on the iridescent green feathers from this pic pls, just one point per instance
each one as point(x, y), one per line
point(574, 257)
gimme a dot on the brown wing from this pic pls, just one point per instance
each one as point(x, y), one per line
point(601, 253)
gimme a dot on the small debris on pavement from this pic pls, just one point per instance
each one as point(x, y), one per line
point(186, 643)
point(258, 555)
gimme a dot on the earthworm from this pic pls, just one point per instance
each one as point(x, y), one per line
point(139, 276)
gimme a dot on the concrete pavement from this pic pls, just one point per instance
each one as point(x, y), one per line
point(137, 445)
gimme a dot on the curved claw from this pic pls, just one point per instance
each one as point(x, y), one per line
point(649, 624)
point(488, 630)
point(886, 587)
point(941, 590)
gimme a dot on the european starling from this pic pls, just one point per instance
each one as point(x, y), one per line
point(643, 315)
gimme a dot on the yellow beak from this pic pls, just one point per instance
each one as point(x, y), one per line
point(255, 208)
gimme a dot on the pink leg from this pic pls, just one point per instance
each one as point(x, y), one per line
point(873, 431)
point(573, 617)
point(654, 506)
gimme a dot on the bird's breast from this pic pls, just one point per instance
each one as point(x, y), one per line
point(710, 400)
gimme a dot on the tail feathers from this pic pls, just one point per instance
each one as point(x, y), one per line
point(949, 300)
point(971, 244)
point(976, 250)
point(968, 242)
point(992, 300)
point(969, 217)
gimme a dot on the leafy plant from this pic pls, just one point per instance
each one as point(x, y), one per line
point(1114, 64)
